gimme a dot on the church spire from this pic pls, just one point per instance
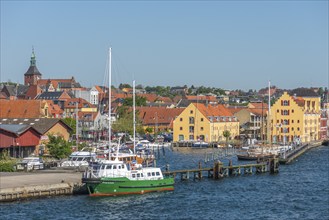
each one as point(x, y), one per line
point(33, 61)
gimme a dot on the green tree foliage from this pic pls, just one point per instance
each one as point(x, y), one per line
point(125, 122)
point(7, 164)
point(160, 90)
point(72, 123)
point(149, 130)
point(124, 85)
point(226, 134)
point(140, 101)
point(58, 147)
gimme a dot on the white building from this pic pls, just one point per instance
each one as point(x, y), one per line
point(91, 95)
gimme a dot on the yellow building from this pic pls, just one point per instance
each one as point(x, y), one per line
point(295, 118)
point(207, 123)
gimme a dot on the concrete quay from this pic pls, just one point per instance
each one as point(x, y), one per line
point(23, 185)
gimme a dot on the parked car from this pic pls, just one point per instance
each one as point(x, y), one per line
point(30, 163)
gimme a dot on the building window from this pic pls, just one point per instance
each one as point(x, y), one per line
point(181, 119)
point(292, 121)
point(285, 103)
point(298, 129)
point(181, 128)
point(285, 112)
point(201, 128)
point(181, 137)
point(191, 120)
point(277, 111)
point(292, 111)
point(201, 119)
point(191, 112)
point(297, 121)
point(191, 137)
point(191, 129)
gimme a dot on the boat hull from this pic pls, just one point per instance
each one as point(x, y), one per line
point(123, 186)
point(254, 157)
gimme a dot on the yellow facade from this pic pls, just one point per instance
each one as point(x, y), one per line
point(193, 125)
point(295, 119)
point(58, 130)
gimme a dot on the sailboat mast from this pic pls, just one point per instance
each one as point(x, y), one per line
point(269, 113)
point(110, 96)
point(134, 115)
point(77, 125)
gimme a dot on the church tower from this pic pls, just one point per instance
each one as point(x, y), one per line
point(32, 75)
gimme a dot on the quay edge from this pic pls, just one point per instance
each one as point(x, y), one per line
point(39, 191)
point(27, 185)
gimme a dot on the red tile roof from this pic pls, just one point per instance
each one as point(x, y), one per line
point(194, 97)
point(22, 108)
point(158, 115)
point(54, 109)
point(299, 101)
point(258, 105)
point(82, 103)
point(217, 112)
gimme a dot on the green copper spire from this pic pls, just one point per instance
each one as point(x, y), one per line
point(33, 61)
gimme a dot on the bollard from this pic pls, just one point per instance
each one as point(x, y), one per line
point(230, 171)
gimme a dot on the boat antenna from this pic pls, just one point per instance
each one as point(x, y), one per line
point(110, 96)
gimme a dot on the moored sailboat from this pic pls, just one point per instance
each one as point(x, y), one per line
point(115, 177)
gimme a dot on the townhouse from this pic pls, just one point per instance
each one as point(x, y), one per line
point(205, 122)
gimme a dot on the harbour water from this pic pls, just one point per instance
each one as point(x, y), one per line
point(298, 191)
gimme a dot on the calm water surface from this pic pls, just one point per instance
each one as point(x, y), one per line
point(299, 191)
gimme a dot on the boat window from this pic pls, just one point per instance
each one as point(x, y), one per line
point(142, 175)
point(133, 175)
point(123, 166)
point(148, 174)
point(138, 175)
point(153, 174)
point(119, 167)
point(114, 166)
point(158, 174)
point(109, 167)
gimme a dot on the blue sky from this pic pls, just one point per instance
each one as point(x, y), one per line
point(230, 45)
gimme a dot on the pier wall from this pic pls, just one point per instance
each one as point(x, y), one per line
point(17, 186)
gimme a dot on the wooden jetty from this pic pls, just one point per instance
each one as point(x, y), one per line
point(219, 171)
point(293, 154)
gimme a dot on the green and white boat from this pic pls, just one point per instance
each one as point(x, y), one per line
point(114, 178)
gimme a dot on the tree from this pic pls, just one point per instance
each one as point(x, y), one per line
point(226, 134)
point(58, 147)
point(72, 123)
point(125, 85)
point(125, 122)
point(140, 101)
point(149, 130)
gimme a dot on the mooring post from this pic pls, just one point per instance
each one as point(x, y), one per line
point(230, 171)
point(200, 167)
point(218, 170)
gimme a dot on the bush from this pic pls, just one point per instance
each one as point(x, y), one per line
point(7, 165)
